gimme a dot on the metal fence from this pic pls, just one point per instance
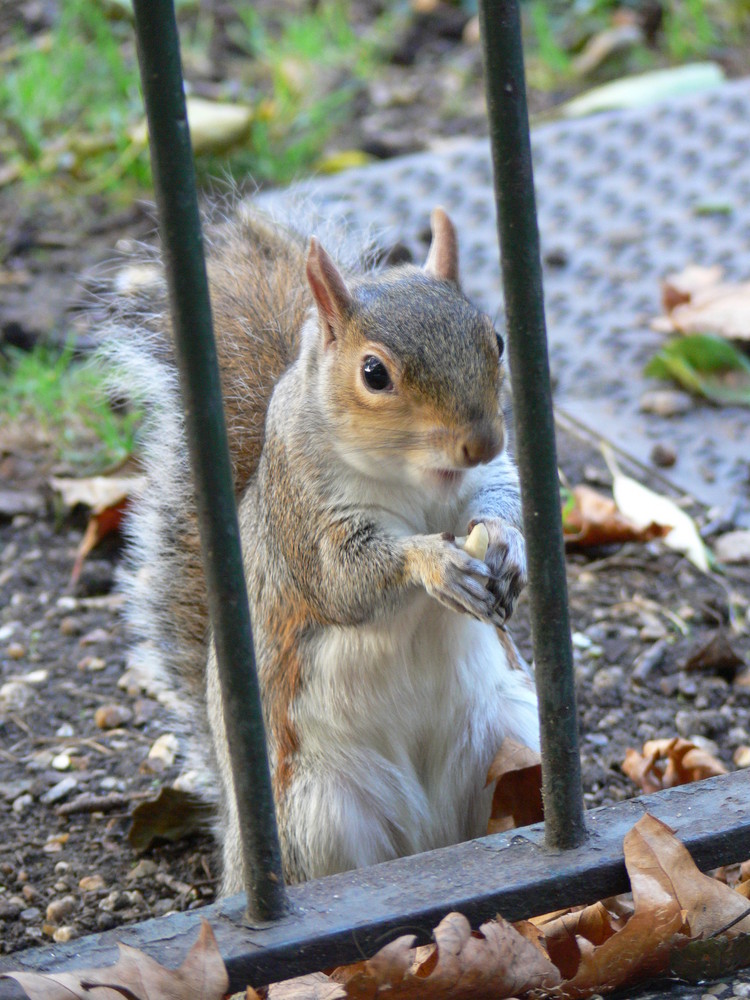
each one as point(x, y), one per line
point(271, 933)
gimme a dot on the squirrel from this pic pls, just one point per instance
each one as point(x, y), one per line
point(365, 416)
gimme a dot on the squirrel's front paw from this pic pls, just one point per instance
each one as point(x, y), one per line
point(506, 558)
point(454, 578)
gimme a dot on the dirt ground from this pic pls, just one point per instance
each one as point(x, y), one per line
point(77, 732)
point(68, 786)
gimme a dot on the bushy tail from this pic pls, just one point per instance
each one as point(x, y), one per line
point(259, 300)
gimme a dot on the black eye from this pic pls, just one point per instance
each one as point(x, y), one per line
point(375, 374)
point(500, 345)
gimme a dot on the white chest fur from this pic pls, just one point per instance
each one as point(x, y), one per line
point(413, 711)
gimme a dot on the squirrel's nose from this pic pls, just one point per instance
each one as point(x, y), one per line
point(481, 447)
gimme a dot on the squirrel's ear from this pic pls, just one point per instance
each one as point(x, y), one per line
point(331, 295)
point(442, 260)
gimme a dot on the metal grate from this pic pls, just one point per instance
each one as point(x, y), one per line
point(621, 201)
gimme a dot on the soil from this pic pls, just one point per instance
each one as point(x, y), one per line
point(70, 778)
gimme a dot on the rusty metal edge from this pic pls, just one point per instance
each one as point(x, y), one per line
point(346, 917)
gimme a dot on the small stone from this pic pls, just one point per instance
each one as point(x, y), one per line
point(61, 761)
point(663, 455)
point(144, 869)
point(59, 909)
point(114, 901)
point(56, 843)
point(666, 402)
point(16, 651)
point(164, 906)
point(91, 883)
point(70, 626)
point(741, 756)
point(29, 893)
point(63, 934)
point(9, 909)
point(61, 867)
point(164, 749)
point(105, 921)
point(59, 791)
point(35, 677)
point(94, 636)
point(14, 696)
point(22, 803)
point(30, 915)
point(65, 730)
point(581, 641)
point(112, 716)
point(687, 686)
point(93, 664)
point(144, 710)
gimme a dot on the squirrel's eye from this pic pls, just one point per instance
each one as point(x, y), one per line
point(500, 345)
point(375, 374)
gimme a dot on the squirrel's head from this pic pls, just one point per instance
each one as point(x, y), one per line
point(411, 373)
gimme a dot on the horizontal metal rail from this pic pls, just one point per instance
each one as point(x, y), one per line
point(346, 917)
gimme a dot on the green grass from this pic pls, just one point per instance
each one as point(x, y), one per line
point(70, 100)
point(68, 402)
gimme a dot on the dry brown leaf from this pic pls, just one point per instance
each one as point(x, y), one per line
point(594, 519)
point(676, 289)
point(669, 762)
point(718, 656)
point(642, 947)
point(698, 302)
point(316, 986)
point(517, 799)
point(562, 933)
point(108, 497)
point(202, 976)
point(708, 905)
point(462, 965)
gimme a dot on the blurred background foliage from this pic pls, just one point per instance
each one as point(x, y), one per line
point(300, 74)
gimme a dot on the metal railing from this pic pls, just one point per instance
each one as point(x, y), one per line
point(561, 863)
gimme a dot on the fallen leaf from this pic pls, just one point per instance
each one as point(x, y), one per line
point(97, 492)
point(202, 976)
point(561, 933)
point(697, 301)
point(716, 656)
point(590, 518)
point(214, 126)
point(676, 289)
point(706, 365)
point(646, 88)
point(699, 961)
point(108, 497)
point(644, 507)
point(462, 965)
point(517, 799)
point(316, 986)
point(709, 906)
point(171, 816)
point(643, 946)
point(733, 547)
point(669, 762)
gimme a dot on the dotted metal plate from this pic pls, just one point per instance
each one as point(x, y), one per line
point(621, 201)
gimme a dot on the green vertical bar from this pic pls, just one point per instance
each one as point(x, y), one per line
point(174, 182)
point(535, 431)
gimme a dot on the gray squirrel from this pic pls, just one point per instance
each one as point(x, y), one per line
point(366, 432)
